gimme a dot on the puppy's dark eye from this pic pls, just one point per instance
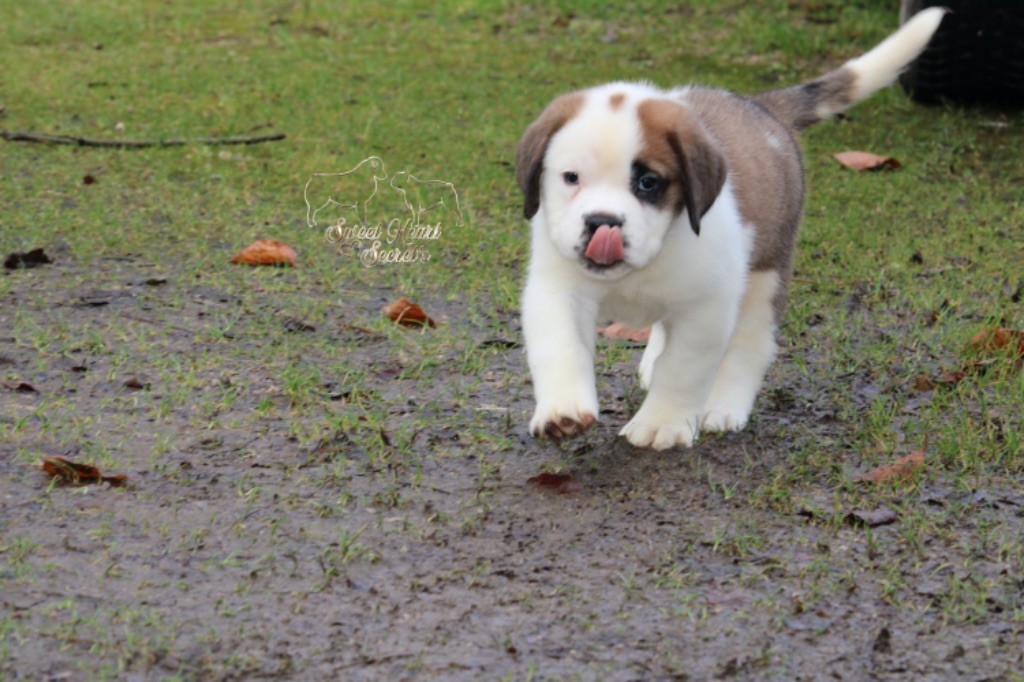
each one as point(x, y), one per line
point(647, 185)
point(571, 178)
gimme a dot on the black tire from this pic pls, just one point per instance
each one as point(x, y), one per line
point(976, 56)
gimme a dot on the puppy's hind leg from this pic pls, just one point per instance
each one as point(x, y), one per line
point(682, 375)
point(750, 351)
point(655, 344)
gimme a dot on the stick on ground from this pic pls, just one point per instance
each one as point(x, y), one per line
point(40, 138)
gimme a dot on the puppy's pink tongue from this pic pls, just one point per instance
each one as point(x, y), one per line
point(605, 246)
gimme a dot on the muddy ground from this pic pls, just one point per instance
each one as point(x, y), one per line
point(411, 545)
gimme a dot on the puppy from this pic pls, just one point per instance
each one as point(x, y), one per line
point(678, 209)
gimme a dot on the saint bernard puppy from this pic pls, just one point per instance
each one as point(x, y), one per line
point(678, 209)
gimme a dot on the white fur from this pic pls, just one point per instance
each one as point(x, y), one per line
point(882, 65)
point(751, 350)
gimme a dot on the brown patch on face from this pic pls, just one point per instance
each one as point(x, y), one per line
point(676, 146)
point(616, 101)
point(534, 144)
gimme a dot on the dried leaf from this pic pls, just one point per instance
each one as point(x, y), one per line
point(903, 468)
point(28, 259)
point(266, 252)
point(405, 312)
point(20, 387)
point(75, 473)
point(96, 299)
point(862, 161)
point(922, 383)
point(950, 377)
point(617, 330)
point(872, 517)
point(503, 344)
point(559, 483)
point(998, 339)
point(294, 324)
point(946, 377)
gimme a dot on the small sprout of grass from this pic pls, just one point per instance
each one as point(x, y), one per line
point(334, 558)
point(17, 553)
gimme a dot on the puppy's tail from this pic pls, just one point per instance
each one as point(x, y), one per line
point(857, 79)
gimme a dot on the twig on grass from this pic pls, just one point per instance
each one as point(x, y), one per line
point(41, 138)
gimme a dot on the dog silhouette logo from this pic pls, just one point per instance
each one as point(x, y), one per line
point(382, 217)
point(429, 200)
point(342, 198)
point(367, 191)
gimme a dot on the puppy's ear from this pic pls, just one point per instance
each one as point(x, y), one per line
point(674, 137)
point(534, 144)
point(702, 168)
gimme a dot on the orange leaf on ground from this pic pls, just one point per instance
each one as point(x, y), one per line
point(923, 382)
point(904, 467)
point(862, 161)
point(617, 330)
point(76, 473)
point(559, 483)
point(405, 312)
point(999, 338)
point(266, 252)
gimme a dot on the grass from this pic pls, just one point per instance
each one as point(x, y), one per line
point(289, 484)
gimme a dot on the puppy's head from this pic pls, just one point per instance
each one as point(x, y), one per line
point(612, 170)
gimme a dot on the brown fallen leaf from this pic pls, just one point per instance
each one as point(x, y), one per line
point(28, 259)
point(872, 518)
point(75, 473)
point(950, 377)
point(294, 324)
point(266, 252)
point(923, 382)
point(862, 161)
point(998, 339)
point(559, 483)
point(617, 330)
point(19, 387)
point(406, 313)
point(903, 468)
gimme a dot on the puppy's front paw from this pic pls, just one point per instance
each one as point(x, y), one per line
point(722, 418)
point(556, 424)
point(662, 433)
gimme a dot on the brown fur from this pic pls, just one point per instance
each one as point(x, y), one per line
point(616, 100)
point(802, 105)
point(534, 145)
point(768, 181)
point(676, 146)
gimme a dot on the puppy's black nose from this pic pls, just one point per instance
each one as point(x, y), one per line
point(596, 220)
